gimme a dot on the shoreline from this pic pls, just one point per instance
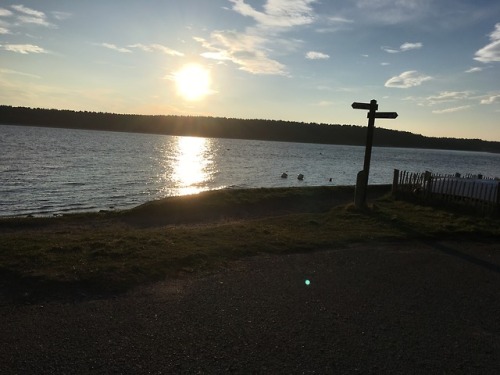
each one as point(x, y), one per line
point(232, 128)
point(374, 190)
point(109, 252)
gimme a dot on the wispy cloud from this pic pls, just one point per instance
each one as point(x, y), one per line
point(28, 11)
point(143, 47)
point(17, 73)
point(403, 48)
point(460, 100)
point(424, 14)
point(490, 52)
point(216, 55)
point(393, 12)
point(35, 21)
point(313, 55)
point(278, 13)
point(61, 16)
point(409, 46)
point(5, 12)
point(31, 16)
point(445, 97)
point(389, 49)
point(324, 103)
point(334, 24)
point(114, 47)
point(448, 96)
point(474, 70)
point(156, 48)
point(450, 110)
point(245, 50)
point(491, 99)
point(335, 19)
point(407, 79)
point(21, 15)
point(23, 48)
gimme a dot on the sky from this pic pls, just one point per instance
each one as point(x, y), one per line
point(434, 62)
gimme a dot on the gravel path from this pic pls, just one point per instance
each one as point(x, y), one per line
point(399, 308)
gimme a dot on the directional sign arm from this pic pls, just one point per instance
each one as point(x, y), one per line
point(390, 115)
point(367, 106)
point(357, 105)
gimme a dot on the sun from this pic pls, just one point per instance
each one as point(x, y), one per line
point(193, 82)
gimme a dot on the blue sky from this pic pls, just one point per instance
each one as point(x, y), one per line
point(436, 63)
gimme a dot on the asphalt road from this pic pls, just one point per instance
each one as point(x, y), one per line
point(393, 308)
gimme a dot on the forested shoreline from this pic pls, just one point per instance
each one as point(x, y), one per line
point(222, 127)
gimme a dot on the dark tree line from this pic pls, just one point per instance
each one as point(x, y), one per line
point(221, 127)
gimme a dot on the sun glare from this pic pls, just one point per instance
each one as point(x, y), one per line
point(190, 166)
point(193, 82)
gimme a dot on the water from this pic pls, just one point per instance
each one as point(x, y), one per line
point(45, 171)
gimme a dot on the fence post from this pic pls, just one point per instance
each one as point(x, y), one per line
point(427, 183)
point(498, 198)
point(395, 181)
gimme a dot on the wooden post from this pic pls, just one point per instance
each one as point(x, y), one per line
point(362, 176)
point(428, 183)
point(395, 181)
point(360, 190)
point(491, 195)
point(498, 198)
point(369, 137)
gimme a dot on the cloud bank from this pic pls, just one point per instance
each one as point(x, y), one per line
point(250, 50)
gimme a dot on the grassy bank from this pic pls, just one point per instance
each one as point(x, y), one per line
point(112, 251)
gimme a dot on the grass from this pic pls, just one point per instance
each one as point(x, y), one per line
point(109, 252)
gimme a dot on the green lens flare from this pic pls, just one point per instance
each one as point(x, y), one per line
point(308, 282)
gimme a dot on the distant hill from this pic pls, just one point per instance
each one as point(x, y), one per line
point(221, 127)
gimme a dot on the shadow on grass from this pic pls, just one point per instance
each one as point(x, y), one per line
point(22, 289)
point(467, 257)
point(435, 241)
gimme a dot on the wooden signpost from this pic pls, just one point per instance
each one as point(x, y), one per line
point(362, 177)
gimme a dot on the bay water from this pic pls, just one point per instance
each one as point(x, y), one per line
point(49, 171)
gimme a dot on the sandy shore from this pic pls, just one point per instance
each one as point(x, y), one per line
point(382, 308)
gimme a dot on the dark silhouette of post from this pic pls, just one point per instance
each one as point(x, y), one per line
point(369, 136)
point(362, 177)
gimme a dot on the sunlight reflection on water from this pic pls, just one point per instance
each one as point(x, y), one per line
point(192, 167)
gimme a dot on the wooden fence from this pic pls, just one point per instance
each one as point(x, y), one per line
point(474, 191)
